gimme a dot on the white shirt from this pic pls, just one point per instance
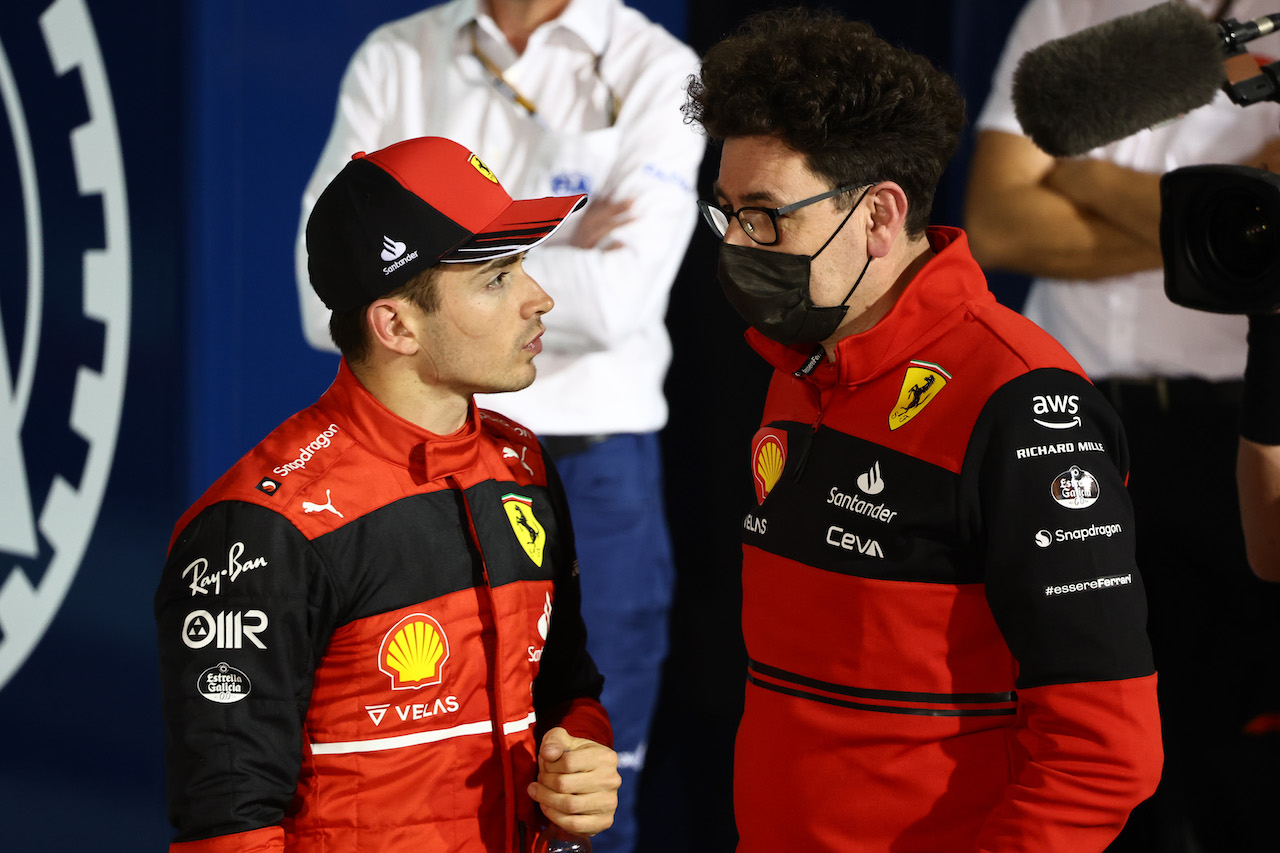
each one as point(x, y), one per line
point(1125, 326)
point(606, 349)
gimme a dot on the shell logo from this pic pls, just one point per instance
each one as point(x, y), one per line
point(413, 652)
point(768, 458)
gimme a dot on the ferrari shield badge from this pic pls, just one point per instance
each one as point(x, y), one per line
point(529, 531)
point(921, 384)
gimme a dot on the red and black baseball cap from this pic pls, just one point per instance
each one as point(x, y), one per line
point(391, 214)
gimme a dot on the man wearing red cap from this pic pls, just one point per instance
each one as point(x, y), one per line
point(369, 627)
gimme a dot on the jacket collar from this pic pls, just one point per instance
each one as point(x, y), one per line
point(589, 20)
point(383, 433)
point(948, 280)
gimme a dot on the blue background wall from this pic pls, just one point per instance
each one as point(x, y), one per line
point(221, 108)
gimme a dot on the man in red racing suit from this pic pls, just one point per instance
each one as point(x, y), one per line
point(369, 629)
point(944, 624)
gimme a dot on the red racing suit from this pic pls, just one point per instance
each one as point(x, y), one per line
point(361, 624)
point(944, 622)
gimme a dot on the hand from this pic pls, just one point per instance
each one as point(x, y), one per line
point(577, 784)
point(597, 221)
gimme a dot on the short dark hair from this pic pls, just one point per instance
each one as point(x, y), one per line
point(349, 329)
point(859, 109)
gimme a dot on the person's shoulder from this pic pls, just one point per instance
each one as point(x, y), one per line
point(283, 463)
point(632, 29)
point(419, 26)
point(1020, 342)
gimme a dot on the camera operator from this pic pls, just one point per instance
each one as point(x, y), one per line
point(1087, 229)
point(1258, 463)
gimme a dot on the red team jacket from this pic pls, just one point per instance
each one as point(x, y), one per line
point(944, 621)
point(361, 625)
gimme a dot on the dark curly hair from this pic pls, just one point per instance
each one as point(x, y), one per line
point(859, 109)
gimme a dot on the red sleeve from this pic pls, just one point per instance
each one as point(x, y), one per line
point(1083, 756)
point(584, 718)
point(269, 839)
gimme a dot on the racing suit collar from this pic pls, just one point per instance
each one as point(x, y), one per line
point(425, 454)
point(949, 280)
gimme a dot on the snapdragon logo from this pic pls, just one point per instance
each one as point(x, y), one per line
point(320, 442)
point(58, 432)
point(1045, 538)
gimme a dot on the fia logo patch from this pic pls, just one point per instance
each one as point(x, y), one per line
point(528, 530)
point(768, 458)
point(921, 384)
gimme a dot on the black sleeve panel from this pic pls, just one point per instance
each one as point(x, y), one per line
point(239, 611)
point(567, 670)
point(1044, 482)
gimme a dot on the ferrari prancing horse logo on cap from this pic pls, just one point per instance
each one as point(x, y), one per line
point(482, 168)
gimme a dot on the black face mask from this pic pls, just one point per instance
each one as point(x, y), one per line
point(771, 291)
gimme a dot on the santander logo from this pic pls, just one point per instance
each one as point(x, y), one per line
point(391, 249)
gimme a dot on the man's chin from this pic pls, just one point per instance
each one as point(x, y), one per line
point(518, 381)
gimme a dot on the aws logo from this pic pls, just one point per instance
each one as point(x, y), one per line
point(64, 214)
point(414, 652)
point(1056, 411)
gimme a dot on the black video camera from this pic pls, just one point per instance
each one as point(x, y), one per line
point(1220, 238)
point(1220, 225)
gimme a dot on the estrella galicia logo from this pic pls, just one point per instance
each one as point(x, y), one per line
point(223, 684)
point(64, 213)
point(1075, 488)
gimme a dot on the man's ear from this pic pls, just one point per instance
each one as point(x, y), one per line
point(888, 205)
point(390, 327)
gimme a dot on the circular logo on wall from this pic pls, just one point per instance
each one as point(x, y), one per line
point(64, 308)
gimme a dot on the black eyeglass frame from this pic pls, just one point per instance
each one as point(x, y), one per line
point(709, 211)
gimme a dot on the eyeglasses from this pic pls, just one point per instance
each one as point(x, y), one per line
point(759, 223)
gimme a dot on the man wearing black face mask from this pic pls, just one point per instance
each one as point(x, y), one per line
point(944, 622)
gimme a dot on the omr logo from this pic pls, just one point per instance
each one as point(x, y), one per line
point(413, 652)
point(77, 287)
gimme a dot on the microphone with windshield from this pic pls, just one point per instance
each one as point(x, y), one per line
point(1112, 80)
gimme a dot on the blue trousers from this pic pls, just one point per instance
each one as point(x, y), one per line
point(627, 574)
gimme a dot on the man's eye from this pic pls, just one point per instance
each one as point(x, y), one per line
point(500, 280)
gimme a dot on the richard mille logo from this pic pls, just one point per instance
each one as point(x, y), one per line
point(79, 286)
